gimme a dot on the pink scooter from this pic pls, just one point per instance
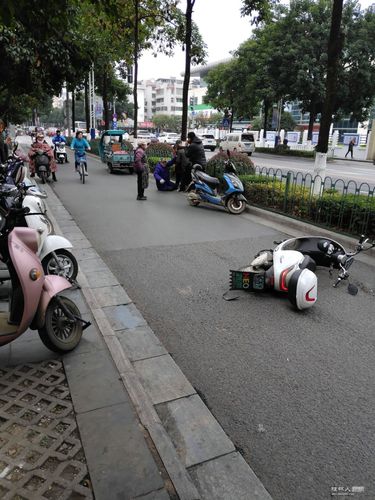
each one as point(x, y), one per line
point(33, 299)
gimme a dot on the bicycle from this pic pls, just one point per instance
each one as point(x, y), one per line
point(82, 166)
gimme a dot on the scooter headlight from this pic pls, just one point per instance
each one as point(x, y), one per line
point(35, 274)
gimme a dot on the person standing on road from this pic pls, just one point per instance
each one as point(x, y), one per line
point(350, 148)
point(181, 163)
point(195, 154)
point(3, 144)
point(140, 166)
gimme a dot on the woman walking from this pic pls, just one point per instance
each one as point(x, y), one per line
point(140, 166)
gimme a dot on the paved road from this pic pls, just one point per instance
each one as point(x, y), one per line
point(294, 391)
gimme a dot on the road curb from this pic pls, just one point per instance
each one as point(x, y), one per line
point(200, 459)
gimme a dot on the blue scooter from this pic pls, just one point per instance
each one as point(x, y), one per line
point(204, 189)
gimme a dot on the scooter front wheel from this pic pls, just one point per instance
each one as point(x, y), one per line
point(67, 265)
point(235, 206)
point(61, 333)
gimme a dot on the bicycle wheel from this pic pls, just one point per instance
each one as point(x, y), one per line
point(82, 171)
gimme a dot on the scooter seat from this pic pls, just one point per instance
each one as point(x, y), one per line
point(206, 178)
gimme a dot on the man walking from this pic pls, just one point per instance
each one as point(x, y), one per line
point(350, 148)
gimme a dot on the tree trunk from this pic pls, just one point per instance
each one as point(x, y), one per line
point(67, 112)
point(334, 50)
point(135, 58)
point(312, 119)
point(73, 111)
point(87, 105)
point(105, 102)
point(265, 118)
point(185, 89)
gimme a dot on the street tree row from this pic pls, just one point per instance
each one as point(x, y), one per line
point(287, 58)
point(45, 45)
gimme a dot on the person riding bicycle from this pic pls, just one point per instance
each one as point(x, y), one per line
point(79, 146)
point(57, 139)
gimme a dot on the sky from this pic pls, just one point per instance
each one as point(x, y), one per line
point(222, 28)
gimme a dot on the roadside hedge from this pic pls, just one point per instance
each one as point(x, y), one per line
point(350, 213)
point(157, 151)
point(287, 152)
point(243, 164)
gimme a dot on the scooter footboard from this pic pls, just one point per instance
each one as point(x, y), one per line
point(52, 286)
point(250, 281)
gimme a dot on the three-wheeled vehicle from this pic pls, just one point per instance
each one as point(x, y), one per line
point(115, 151)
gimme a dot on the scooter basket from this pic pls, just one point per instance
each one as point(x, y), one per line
point(249, 281)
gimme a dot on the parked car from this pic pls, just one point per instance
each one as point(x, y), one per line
point(169, 137)
point(208, 141)
point(142, 135)
point(243, 142)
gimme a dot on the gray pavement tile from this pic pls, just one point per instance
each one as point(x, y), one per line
point(91, 341)
point(93, 381)
point(80, 244)
point(86, 253)
point(195, 432)
point(95, 264)
point(163, 379)
point(76, 296)
point(123, 317)
point(140, 343)
point(29, 351)
point(228, 478)
point(101, 278)
point(119, 461)
point(155, 495)
point(111, 295)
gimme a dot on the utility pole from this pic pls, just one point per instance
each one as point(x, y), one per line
point(67, 112)
point(92, 103)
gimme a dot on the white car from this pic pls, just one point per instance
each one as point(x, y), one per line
point(169, 137)
point(208, 141)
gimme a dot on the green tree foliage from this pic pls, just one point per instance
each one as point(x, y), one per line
point(170, 123)
point(39, 50)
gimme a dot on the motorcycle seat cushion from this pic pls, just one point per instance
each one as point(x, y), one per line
point(206, 178)
point(308, 263)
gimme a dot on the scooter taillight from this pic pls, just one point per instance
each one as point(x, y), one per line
point(283, 276)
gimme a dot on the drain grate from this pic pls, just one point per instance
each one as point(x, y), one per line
point(41, 454)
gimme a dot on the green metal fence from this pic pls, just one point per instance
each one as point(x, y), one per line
point(344, 206)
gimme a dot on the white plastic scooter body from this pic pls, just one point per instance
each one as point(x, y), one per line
point(300, 284)
point(47, 242)
point(52, 243)
point(285, 263)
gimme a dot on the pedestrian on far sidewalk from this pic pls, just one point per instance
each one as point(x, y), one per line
point(350, 148)
point(141, 168)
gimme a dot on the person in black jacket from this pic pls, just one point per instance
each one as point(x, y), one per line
point(3, 143)
point(195, 154)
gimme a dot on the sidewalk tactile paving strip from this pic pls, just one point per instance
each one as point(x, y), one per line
point(41, 454)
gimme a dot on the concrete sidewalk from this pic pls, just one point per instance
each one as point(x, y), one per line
point(145, 432)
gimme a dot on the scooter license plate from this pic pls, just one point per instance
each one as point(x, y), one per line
point(246, 280)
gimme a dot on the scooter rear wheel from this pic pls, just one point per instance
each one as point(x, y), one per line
point(59, 333)
point(236, 206)
point(66, 260)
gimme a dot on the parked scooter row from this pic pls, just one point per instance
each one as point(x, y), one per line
point(29, 253)
point(290, 268)
point(17, 191)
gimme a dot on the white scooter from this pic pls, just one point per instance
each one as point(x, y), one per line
point(61, 155)
point(290, 267)
point(52, 248)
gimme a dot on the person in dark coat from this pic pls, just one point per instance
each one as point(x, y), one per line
point(140, 166)
point(181, 163)
point(195, 154)
point(162, 176)
point(195, 150)
point(3, 144)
